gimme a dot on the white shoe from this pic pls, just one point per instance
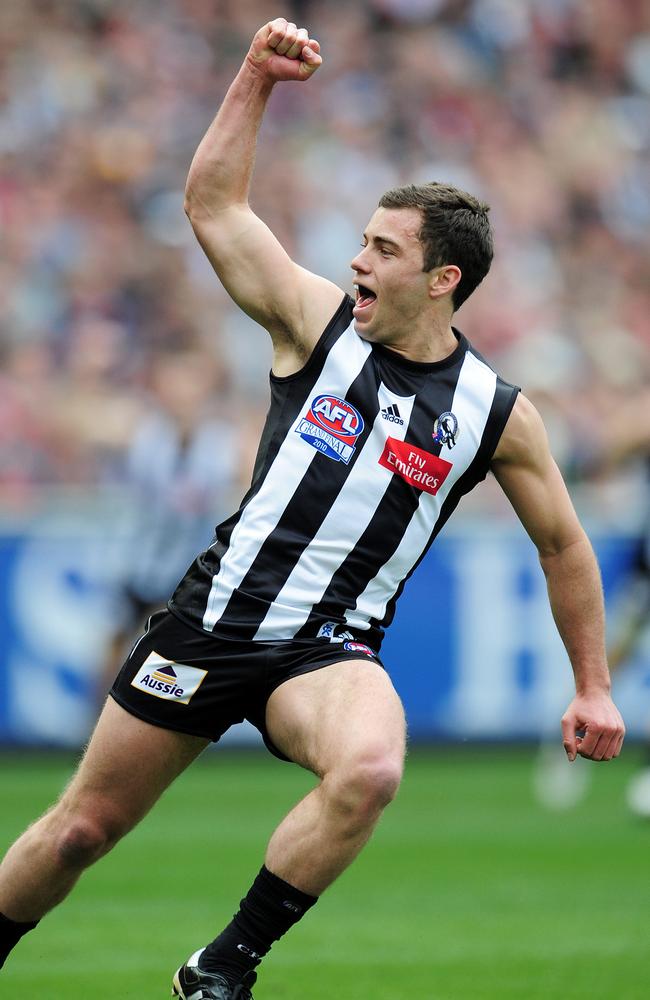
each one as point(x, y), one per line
point(638, 794)
point(559, 783)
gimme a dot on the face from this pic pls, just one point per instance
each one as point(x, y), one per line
point(183, 385)
point(392, 290)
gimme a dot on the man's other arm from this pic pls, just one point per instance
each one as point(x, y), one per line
point(290, 302)
point(527, 473)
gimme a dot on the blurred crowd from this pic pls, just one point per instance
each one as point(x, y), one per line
point(541, 107)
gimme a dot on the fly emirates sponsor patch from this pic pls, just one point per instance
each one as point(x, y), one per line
point(417, 467)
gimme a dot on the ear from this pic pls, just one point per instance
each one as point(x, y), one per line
point(443, 280)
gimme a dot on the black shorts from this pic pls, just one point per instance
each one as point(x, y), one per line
point(183, 678)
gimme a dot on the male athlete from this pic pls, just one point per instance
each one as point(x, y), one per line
point(382, 417)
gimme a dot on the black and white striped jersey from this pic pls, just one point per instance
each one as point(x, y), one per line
point(363, 457)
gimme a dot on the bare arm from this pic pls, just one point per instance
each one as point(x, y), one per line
point(531, 480)
point(290, 302)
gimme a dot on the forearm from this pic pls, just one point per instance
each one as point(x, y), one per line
point(576, 597)
point(592, 725)
point(221, 171)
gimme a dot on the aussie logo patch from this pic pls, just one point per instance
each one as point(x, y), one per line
point(168, 680)
point(332, 426)
point(417, 467)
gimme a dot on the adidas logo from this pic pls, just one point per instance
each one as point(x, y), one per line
point(392, 413)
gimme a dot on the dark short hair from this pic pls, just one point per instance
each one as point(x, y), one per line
point(455, 230)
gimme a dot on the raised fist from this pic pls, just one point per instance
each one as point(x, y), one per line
point(282, 51)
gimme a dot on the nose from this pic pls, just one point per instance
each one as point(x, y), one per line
point(359, 263)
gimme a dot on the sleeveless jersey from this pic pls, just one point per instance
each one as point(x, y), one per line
point(363, 457)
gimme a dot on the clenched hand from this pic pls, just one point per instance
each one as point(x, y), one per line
point(281, 51)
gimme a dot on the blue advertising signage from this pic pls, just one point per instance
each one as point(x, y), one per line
point(473, 651)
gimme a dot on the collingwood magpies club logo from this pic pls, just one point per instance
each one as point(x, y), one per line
point(445, 429)
point(392, 414)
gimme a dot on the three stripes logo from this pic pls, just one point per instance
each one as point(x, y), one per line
point(392, 414)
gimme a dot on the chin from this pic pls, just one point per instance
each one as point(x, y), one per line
point(364, 331)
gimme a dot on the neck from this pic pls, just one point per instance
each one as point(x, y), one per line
point(427, 344)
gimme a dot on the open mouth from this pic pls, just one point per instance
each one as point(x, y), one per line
point(365, 297)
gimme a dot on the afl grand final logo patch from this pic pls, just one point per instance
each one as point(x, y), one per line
point(332, 426)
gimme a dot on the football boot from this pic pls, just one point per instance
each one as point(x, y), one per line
point(191, 982)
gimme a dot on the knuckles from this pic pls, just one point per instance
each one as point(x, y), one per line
point(289, 31)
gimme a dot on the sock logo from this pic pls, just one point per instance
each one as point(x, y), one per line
point(327, 631)
point(248, 951)
point(291, 906)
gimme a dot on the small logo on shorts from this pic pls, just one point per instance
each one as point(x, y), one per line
point(168, 680)
point(327, 631)
point(359, 647)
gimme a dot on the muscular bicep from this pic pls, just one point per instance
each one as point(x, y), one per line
point(293, 304)
point(528, 475)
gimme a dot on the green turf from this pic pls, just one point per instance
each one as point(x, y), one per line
point(468, 889)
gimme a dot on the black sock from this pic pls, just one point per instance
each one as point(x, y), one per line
point(270, 908)
point(10, 934)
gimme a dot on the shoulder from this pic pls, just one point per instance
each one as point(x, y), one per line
point(524, 439)
point(326, 325)
point(505, 393)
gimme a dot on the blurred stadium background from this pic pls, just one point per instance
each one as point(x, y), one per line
point(132, 391)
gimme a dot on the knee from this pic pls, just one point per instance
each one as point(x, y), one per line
point(365, 787)
point(83, 838)
point(378, 780)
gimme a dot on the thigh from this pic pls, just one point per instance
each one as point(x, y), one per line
point(339, 712)
point(128, 764)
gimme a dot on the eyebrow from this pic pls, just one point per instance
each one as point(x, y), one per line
point(382, 239)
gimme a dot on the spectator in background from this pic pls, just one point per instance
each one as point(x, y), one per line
point(623, 440)
point(184, 467)
point(630, 441)
point(543, 108)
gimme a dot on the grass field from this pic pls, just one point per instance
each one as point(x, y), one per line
point(468, 889)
